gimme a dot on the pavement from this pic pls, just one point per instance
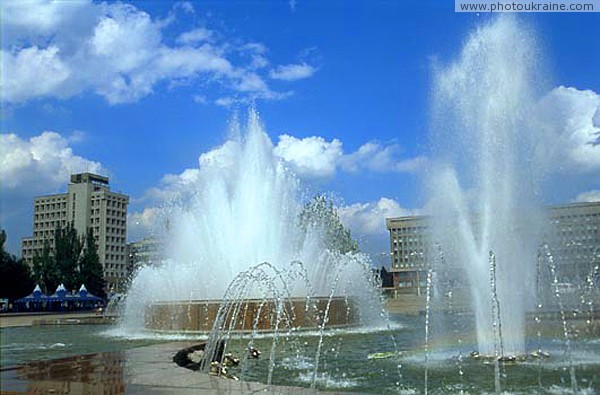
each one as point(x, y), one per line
point(8, 320)
point(143, 370)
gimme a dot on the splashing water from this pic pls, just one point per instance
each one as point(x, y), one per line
point(241, 209)
point(482, 183)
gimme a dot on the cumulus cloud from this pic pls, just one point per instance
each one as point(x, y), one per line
point(118, 52)
point(588, 196)
point(41, 164)
point(369, 218)
point(171, 186)
point(310, 156)
point(292, 72)
point(568, 121)
point(33, 72)
point(315, 157)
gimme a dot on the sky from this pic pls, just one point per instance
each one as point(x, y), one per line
point(139, 90)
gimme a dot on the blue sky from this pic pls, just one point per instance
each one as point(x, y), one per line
point(138, 90)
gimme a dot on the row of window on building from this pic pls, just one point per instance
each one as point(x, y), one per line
point(43, 205)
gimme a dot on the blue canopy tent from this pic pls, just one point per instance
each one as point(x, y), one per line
point(82, 300)
point(59, 299)
point(36, 301)
point(85, 299)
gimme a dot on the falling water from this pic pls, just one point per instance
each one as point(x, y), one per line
point(427, 319)
point(481, 183)
point(566, 334)
point(538, 310)
point(496, 323)
point(240, 208)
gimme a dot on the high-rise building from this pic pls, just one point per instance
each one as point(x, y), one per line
point(409, 244)
point(148, 251)
point(88, 203)
point(573, 236)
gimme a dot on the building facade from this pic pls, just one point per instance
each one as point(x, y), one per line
point(409, 252)
point(88, 203)
point(148, 251)
point(575, 238)
point(573, 235)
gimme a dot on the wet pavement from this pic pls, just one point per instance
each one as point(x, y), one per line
point(143, 370)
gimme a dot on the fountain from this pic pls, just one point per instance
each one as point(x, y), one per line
point(243, 272)
point(242, 253)
point(483, 196)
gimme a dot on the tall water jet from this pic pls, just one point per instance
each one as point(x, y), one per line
point(482, 183)
point(241, 208)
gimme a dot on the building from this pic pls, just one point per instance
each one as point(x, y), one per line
point(574, 237)
point(148, 251)
point(88, 203)
point(409, 249)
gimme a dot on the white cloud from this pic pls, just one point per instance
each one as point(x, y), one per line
point(256, 53)
point(251, 82)
point(62, 49)
point(32, 72)
point(34, 19)
point(377, 157)
point(195, 36)
point(172, 186)
point(315, 157)
point(125, 38)
point(369, 218)
point(41, 164)
point(310, 156)
point(225, 101)
point(292, 72)
point(258, 62)
point(568, 121)
point(589, 196)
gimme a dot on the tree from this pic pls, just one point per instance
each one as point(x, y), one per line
point(320, 214)
point(75, 261)
point(44, 269)
point(15, 276)
point(68, 249)
point(90, 269)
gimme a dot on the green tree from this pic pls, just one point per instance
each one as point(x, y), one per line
point(90, 269)
point(15, 276)
point(321, 215)
point(44, 269)
point(68, 249)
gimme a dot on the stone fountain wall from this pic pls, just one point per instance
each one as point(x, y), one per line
point(248, 315)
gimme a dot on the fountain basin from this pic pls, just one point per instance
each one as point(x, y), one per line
point(198, 316)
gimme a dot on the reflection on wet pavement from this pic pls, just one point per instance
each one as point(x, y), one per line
point(141, 370)
point(101, 373)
